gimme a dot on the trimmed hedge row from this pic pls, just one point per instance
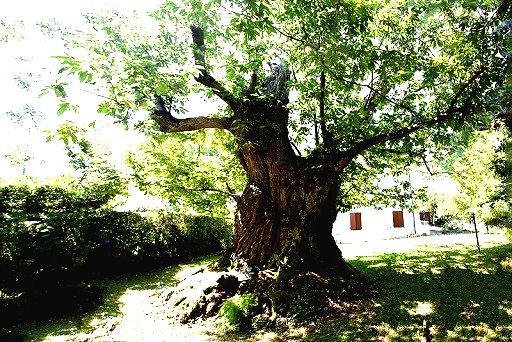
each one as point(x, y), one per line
point(50, 235)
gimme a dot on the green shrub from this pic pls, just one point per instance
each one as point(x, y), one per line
point(447, 222)
point(10, 241)
point(237, 309)
point(501, 217)
point(50, 229)
point(205, 234)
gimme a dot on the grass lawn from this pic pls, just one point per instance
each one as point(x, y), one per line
point(465, 296)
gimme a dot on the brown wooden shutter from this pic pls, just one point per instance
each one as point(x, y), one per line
point(422, 215)
point(398, 218)
point(355, 221)
point(425, 216)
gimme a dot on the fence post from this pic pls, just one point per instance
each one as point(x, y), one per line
point(427, 337)
point(476, 233)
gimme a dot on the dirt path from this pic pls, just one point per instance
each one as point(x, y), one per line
point(144, 318)
point(141, 315)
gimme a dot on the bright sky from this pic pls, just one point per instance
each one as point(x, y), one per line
point(68, 11)
point(28, 59)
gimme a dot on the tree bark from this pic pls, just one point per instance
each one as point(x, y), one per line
point(288, 207)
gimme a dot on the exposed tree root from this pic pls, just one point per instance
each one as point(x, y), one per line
point(286, 292)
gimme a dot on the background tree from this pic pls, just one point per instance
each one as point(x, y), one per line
point(501, 206)
point(373, 79)
point(192, 172)
point(476, 181)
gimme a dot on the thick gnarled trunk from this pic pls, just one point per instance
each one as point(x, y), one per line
point(289, 204)
point(269, 227)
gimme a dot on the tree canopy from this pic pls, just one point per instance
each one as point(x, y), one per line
point(364, 74)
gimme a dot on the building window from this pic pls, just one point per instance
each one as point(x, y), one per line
point(355, 221)
point(426, 216)
point(398, 219)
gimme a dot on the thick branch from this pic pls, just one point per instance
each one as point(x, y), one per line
point(370, 104)
point(326, 135)
point(317, 141)
point(448, 114)
point(252, 85)
point(204, 76)
point(170, 124)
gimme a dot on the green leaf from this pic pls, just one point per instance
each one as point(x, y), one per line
point(59, 91)
point(64, 106)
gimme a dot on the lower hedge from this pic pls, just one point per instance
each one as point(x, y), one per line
point(60, 245)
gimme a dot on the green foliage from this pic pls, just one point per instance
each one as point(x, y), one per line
point(447, 221)
point(45, 221)
point(388, 65)
point(475, 183)
point(193, 172)
point(473, 172)
point(501, 217)
point(94, 172)
point(237, 309)
point(205, 234)
point(46, 231)
point(501, 211)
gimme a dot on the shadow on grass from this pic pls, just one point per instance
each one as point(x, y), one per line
point(464, 295)
point(81, 307)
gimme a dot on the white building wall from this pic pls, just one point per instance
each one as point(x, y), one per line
point(377, 224)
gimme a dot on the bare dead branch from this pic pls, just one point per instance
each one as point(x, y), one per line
point(204, 76)
point(253, 83)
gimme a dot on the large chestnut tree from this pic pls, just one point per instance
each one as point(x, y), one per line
point(313, 93)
